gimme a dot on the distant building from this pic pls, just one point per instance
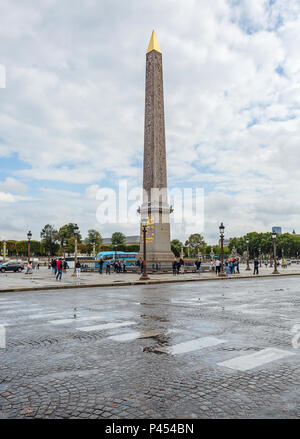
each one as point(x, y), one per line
point(277, 230)
point(135, 239)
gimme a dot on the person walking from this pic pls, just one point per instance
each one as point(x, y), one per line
point(101, 262)
point(218, 266)
point(266, 263)
point(227, 267)
point(78, 267)
point(256, 265)
point(108, 267)
point(65, 265)
point(232, 266)
point(198, 265)
point(174, 266)
point(59, 269)
point(237, 265)
point(181, 262)
point(54, 266)
point(29, 268)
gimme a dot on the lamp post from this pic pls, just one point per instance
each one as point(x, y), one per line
point(248, 266)
point(29, 236)
point(64, 247)
point(222, 229)
point(274, 252)
point(144, 275)
point(76, 230)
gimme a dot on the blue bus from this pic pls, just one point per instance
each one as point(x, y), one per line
point(111, 255)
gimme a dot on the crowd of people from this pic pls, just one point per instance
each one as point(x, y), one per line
point(231, 266)
point(59, 266)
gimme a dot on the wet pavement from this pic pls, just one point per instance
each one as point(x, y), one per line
point(190, 350)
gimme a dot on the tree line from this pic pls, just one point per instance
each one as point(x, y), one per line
point(57, 242)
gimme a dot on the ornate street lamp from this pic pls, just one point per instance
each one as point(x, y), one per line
point(248, 266)
point(222, 229)
point(64, 242)
point(76, 230)
point(144, 275)
point(29, 236)
point(274, 235)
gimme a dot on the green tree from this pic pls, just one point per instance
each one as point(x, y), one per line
point(93, 237)
point(196, 243)
point(49, 237)
point(67, 232)
point(176, 247)
point(118, 238)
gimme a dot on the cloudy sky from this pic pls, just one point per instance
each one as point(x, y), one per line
point(72, 112)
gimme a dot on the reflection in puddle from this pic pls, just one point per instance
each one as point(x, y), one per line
point(156, 318)
point(105, 326)
point(138, 334)
point(189, 346)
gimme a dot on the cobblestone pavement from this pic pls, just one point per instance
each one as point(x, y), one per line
point(153, 351)
point(43, 278)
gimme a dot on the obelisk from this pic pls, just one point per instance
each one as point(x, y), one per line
point(155, 205)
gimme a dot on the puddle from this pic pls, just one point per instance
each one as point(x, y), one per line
point(190, 346)
point(156, 318)
point(105, 326)
point(137, 335)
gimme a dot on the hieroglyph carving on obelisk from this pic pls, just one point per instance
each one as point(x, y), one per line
point(155, 205)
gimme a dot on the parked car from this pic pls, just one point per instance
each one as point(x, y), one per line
point(12, 266)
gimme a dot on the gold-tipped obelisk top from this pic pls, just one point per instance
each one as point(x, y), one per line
point(153, 45)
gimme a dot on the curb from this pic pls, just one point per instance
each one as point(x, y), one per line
point(145, 282)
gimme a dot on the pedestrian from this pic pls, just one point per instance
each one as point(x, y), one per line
point(218, 266)
point(54, 267)
point(232, 266)
point(256, 265)
point(212, 265)
point(29, 268)
point(124, 266)
point(38, 266)
point(174, 266)
point(227, 267)
point(101, 262)
point(198, 265)
point(237, 265)
point(59, 269)
point(78, 267)
point(108, 267)
point(65, 265)
point(181, 262)
point(266, 263)
point(178, 265)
